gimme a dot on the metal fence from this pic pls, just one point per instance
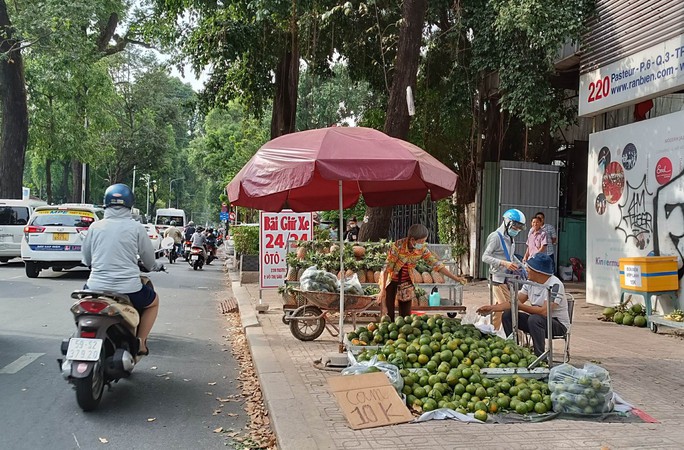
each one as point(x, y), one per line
point(406, 215)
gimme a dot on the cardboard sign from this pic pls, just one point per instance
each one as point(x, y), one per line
point(369, 400)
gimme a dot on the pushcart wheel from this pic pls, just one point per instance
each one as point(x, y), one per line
point(285, 315)
point(306, 323)
point(452, 315)
point(654, 327)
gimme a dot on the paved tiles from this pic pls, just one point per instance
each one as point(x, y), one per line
point(647, 370)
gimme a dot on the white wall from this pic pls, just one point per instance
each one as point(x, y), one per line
point(635, 200)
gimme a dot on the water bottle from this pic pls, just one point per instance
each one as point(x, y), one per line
point(435, 299)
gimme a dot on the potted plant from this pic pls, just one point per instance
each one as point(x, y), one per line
point(246, 239)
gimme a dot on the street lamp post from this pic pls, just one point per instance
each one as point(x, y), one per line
point(170, 189)
point(148, 180)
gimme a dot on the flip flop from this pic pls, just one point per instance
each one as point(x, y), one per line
point(141, 353)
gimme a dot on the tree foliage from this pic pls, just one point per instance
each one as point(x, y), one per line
point(520, 40)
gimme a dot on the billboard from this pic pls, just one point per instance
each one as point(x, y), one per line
point(276, 230)
point(654, 71)
point(635, 200)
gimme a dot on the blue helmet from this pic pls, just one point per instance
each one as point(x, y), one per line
point(515, 218)
point(118, 195)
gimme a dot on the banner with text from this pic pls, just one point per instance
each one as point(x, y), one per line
point(635, 201)
point(645, 74)
point(276, 230)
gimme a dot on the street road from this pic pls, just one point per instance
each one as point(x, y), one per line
point(168, 403)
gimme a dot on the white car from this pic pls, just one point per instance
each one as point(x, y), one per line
point(54, 236)
point(155, 236)
point(14, 216)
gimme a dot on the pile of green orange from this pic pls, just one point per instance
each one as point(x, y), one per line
point(624, 315)
point(440, 361)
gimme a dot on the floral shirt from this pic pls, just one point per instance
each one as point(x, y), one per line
point(400, 255)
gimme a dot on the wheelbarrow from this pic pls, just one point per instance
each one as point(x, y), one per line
point(308, 322)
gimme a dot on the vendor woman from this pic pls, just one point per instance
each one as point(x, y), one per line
point(397, 275)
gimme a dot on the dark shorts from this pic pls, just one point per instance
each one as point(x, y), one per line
point(141, 299)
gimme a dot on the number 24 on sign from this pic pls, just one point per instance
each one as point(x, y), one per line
point(279, 240)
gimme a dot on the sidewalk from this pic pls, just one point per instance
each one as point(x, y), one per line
point(644, 367)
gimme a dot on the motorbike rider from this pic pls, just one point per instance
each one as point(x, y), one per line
point(199, 240)
point(211, 241)
point(111, 249)
point(176, 234)
point(189, 230)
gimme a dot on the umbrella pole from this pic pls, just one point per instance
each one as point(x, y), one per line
point(341, 235)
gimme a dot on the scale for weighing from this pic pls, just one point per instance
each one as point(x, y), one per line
point(531, 371)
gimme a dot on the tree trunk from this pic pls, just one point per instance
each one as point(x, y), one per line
point(14, 110)
point(48, 179)
point(76, 181)
point(65, 181)
point(397, 120)
point(283, 119)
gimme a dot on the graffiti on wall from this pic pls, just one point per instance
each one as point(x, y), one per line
point(636, 217)
point(645, 218)
point(668, 226)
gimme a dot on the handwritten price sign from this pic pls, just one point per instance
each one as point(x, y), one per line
point(275, 231)
point(369, 400)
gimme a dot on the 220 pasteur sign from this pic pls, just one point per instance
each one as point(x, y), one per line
point(654, 71)
point(276, 230)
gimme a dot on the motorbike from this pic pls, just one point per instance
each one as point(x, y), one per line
point(169, 246)
point(187, 248)
point(196, 258)
point(211, 252)
point(104, 348)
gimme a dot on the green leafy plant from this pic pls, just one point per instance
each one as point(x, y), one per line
point(246, 239)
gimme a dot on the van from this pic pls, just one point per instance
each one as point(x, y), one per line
point(166, 215)
point(14, 216)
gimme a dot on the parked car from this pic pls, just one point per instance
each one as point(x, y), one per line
point(14, 216)
point(54, 236)
point(155, 236)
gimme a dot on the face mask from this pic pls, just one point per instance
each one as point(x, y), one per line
point(418, 246)
point(512, 232)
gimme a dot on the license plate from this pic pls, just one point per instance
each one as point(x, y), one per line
point(195, 257)
point(81, 349)
point(60, 236)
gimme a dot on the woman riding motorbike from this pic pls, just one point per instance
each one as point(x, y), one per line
point(111, 249)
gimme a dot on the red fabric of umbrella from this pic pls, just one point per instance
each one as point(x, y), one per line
point(302, 171)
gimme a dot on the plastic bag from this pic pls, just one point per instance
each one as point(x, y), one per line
point(317, 280)
point(373, 365)
point(482, 323)
point(581, 391)
point(352, 285)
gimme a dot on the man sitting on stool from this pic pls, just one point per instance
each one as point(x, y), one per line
point(532, 316)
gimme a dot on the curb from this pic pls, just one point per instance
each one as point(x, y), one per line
point(247, 312)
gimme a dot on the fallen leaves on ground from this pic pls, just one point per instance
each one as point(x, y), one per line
point(259, 433)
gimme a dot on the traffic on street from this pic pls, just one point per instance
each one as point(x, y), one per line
point(177, 397)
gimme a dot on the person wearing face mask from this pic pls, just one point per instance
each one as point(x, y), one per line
point(402, 257)
point(499, 254)
point(352, 234)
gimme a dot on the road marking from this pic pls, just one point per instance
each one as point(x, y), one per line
point(23, 361)
point(14, 278)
